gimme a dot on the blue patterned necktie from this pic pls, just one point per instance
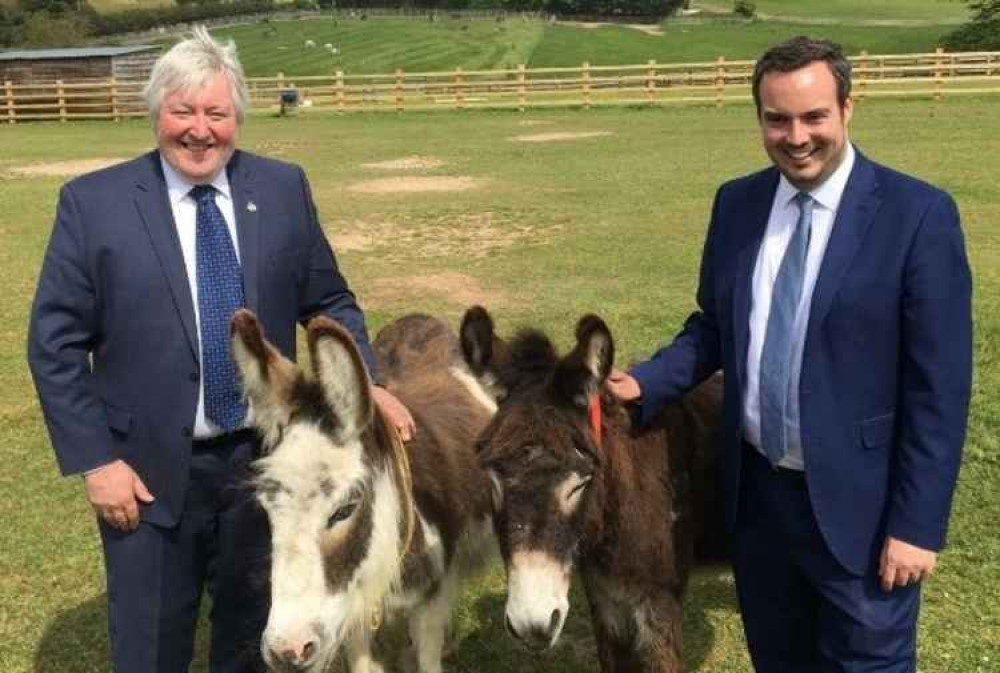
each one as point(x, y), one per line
point(220, 294)
point(775, 359)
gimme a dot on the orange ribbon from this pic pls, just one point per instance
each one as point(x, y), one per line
point(595, 417)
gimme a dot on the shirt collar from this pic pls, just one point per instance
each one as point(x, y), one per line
point(829, 193)
point(178, 186)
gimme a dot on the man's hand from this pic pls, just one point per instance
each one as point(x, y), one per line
point(623, 386)
point(113, 491)
point(903, 564)
point(395, 412)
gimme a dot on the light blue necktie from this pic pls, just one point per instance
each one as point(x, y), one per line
point(775, 360)
point(220, 294)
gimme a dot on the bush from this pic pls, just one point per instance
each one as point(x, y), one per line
point(745, 8)
point(11, 26)
point(46, 29)
point(132, 20)
point(978, 36)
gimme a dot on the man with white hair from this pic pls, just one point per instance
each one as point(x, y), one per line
point(129, 349)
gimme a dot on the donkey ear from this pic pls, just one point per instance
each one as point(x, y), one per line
point(341, 373)
point(476, 335)
point(267, 376)
point(579, 375)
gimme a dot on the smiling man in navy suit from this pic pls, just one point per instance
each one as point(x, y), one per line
point(129, 349)
point(835, 295)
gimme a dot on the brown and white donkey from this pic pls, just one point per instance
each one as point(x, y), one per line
point(362, 525)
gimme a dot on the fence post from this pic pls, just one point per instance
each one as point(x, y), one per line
point(650, 81)
point(862, 76)
point(8, 94)
point(938, 73)
point(720, 81)
point(113, 85)
point(399, 90)
point(459, 95)
point(61, 94)
point(340, 91)
point(522, 88)
point(586, 85)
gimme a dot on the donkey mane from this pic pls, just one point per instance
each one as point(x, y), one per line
point(532, 359)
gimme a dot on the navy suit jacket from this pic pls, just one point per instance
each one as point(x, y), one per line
point(113, 344)
point(887, 364)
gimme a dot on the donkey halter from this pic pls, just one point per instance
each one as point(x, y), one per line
point(594, 413)
point(402, 464)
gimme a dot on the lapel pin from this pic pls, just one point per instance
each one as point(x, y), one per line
point(251, 206)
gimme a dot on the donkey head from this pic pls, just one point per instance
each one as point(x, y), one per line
point(328, 483)
point(542, 456)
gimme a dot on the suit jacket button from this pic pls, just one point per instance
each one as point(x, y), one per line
point(186, 431)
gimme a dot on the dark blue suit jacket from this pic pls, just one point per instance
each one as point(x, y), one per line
point(887, 364)
point(113, 341)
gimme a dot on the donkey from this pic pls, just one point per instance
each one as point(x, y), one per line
point(576, 486)
point(362, 525)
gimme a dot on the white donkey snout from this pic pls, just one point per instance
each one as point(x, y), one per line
point(292, 652)
point(537, 599)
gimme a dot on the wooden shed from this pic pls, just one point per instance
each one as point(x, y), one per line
point(26, 66)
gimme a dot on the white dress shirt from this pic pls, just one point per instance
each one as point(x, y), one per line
point(780, 226)
point(185, 211)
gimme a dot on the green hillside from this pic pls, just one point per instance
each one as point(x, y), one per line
point(854, 10)
point(382, 45)
point(565, 46)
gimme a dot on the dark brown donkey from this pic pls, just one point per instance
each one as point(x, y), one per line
point(576, 485)
point(361, 524)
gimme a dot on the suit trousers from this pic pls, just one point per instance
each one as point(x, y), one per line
point(802, 611)
point(156, 575)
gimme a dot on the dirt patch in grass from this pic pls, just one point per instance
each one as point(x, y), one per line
point(647, 28)
point(470, 235)
point(558, 136)
point(273, 148)
point(413, 184)
point(535, 122)
point(414, 163)
point(64, 168)
point(456, 288)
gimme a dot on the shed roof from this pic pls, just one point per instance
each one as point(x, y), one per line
point(76, 52)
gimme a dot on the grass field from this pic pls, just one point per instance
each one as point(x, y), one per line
point(611, 223)
point(382, 45)
point(853, 11)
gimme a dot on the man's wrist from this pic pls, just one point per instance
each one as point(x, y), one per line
point(95, 470)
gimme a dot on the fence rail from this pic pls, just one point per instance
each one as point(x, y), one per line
point(930, 75)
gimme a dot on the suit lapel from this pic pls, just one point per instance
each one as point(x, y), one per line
point(241, 182)
point(857, 209)
point(757, 213)
point(153, 204)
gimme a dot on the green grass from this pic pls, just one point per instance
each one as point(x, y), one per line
point(612, 224)
point(106, 6)
point(382, 45)
point(855, 10)
point(682, 42)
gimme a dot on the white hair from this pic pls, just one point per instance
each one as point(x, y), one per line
point(192, 64)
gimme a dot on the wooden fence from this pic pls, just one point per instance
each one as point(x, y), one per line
point(930, 75)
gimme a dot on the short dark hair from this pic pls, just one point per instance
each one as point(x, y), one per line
point(799, 52)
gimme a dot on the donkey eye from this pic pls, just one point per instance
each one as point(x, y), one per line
point(584, 483)
point(341, 514)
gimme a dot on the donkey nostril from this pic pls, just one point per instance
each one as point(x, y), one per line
point(308, 651)
point(554, 621)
